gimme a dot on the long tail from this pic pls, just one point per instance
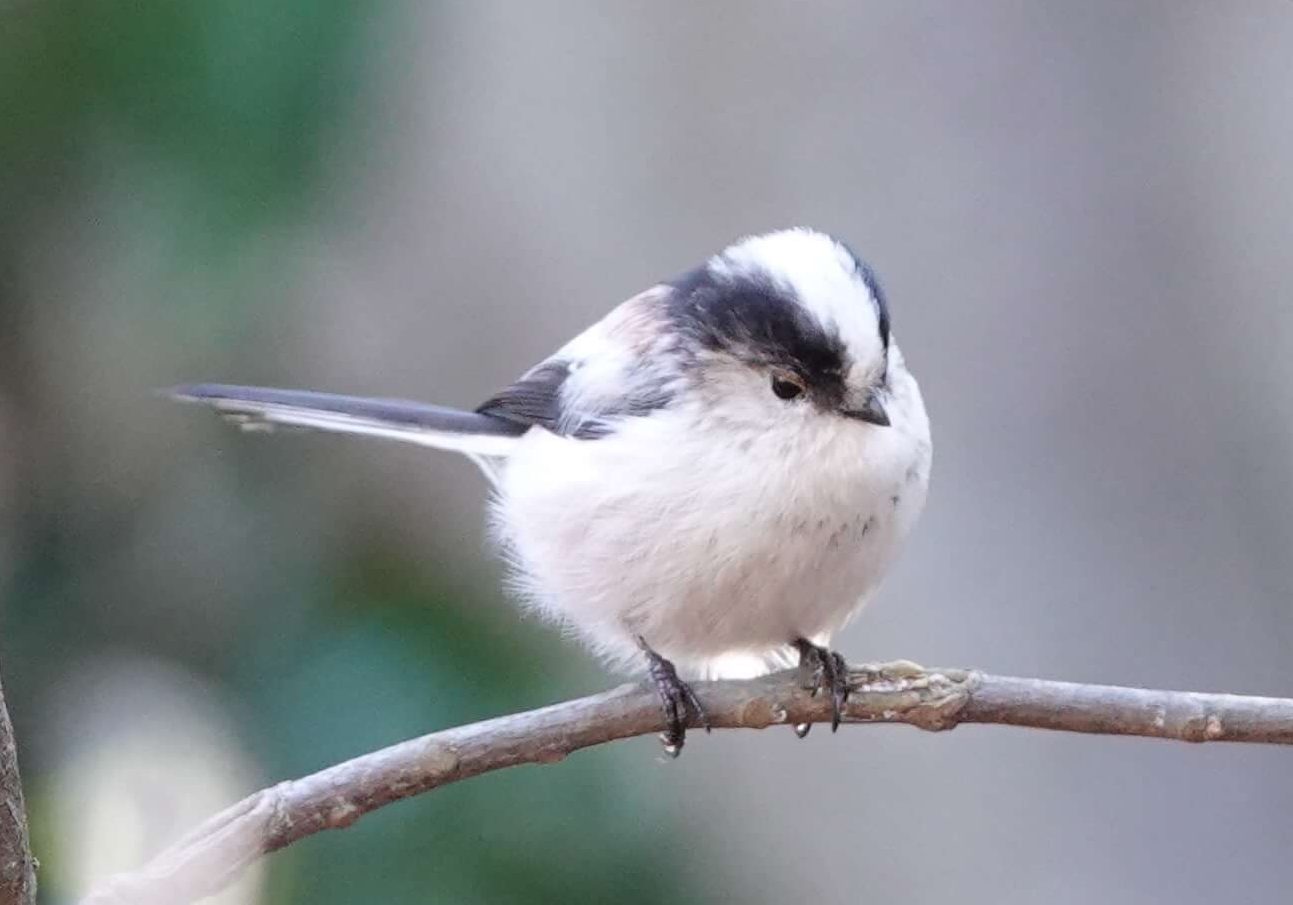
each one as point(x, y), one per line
point(481, 437)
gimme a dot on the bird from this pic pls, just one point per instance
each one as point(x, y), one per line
point(708, 482)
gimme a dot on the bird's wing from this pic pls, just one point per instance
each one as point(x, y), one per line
point(617, 368)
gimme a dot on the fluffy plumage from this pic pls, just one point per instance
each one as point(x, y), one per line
point(725, 463)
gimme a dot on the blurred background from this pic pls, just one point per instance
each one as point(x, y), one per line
point(1082, 214)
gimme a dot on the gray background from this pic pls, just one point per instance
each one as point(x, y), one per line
point(1082, 215)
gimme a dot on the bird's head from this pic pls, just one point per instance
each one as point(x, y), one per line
point(788, 324)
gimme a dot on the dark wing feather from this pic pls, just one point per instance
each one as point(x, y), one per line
point(619, 368)
point(535, 399)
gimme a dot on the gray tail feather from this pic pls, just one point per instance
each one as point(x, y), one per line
point(474, 434)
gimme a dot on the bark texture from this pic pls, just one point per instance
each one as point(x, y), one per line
point(219, 850)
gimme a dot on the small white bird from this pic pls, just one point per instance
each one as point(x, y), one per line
point(715, 475)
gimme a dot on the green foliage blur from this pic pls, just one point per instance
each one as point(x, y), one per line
point(190, 137)
point(1081, 213)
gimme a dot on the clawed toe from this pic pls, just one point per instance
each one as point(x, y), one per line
point(677, 699)
point(827, 671)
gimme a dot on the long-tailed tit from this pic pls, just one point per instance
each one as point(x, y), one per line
point(713, 477)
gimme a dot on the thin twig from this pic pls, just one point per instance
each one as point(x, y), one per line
point(17, 866)
point(216, 853)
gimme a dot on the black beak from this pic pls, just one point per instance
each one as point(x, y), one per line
point(872, 413)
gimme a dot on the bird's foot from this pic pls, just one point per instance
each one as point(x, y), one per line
point(825, 671)
point(677, 700)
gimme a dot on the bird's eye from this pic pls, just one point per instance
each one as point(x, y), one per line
point(787, 386)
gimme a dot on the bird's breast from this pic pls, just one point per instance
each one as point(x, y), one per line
point(707, 547)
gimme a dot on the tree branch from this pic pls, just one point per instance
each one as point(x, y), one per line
point(215, 853)
point(17, 866)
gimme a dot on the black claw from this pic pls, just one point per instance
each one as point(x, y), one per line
point(677, 699)
point(829, 673)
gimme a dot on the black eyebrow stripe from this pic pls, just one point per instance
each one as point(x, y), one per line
point(751, 317)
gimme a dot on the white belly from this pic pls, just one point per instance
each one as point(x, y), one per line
point(719, 556)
